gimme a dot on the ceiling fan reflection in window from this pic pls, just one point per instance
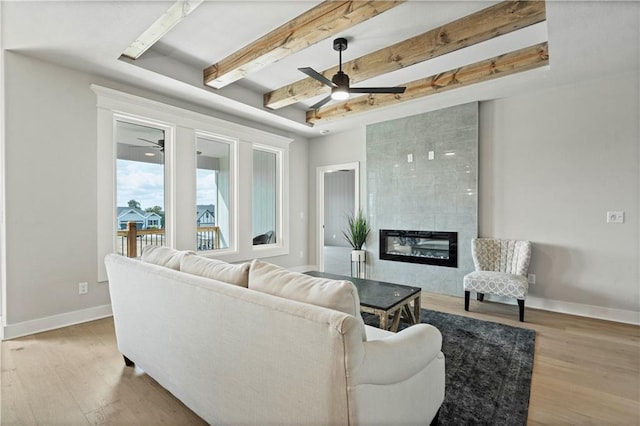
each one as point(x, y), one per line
point(339, 84)
point(159, 144)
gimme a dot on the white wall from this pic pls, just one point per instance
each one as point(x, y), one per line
point(341, 148)
point(51, 172)
point(551, 165)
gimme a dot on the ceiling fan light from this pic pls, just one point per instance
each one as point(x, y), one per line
point(339, 94)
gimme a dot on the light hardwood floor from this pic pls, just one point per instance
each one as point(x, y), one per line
point(585, 372)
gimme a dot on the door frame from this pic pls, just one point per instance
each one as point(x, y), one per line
point(320, 172)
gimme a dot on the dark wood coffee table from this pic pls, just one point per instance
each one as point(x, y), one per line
point(386, 300)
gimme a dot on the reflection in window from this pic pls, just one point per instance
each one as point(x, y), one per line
point(213, 191)
point(139, 185)
point(265, 197)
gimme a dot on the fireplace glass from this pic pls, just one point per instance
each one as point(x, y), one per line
point(428, 247)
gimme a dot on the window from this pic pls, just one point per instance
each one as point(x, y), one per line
point(213, 193)
point(202, 179)
point(264, 196)
point(139, 184)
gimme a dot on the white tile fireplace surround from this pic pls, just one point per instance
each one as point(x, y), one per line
point(422, 175)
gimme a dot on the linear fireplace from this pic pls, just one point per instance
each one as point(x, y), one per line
point(429, 247)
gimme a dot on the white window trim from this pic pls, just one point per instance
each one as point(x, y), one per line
point(112, 102)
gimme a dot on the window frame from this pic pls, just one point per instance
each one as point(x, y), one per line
point(180, 154)
point(169, 147)
point(233, 191)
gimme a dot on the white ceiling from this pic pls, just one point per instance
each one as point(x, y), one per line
point(587, 40)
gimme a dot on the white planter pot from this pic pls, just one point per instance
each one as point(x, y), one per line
point(358, 263)
point(358, 255)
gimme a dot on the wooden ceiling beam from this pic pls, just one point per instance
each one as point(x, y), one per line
point(486, 24)
point(499, 66)
point(323, 21)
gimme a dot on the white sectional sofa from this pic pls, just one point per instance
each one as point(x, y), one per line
point(262, 345)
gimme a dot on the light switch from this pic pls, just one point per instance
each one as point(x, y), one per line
point(409, 158)
point(615, 217)
point(431, 155)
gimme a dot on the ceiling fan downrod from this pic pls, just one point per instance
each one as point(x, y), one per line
point(341, 80)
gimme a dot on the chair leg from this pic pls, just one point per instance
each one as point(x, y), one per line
point(521, 306)
point(480, 297)
point(466, 300)
point(128, 362)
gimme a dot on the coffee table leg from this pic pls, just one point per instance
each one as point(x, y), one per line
point(383, 320)
point(396, 320)
point(407, 314)
point(416, 307)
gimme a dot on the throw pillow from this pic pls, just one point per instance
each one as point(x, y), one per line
point(333, 294)
point(216, 269)
point(164, 256)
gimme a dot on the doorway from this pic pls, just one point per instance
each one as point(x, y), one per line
point(338, 189)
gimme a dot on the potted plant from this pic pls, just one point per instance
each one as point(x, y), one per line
point(356, 235)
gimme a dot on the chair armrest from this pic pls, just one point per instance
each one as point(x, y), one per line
point(400, 356)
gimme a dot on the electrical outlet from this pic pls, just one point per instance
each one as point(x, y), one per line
point(532, 278)
point(615, 217)
point(83, 288)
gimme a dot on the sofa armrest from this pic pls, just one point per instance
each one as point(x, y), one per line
point(400, 356)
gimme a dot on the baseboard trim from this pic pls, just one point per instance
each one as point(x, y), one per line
point(56, 321)
point(579, 309)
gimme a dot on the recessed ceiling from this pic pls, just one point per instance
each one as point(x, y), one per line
point(587, 40)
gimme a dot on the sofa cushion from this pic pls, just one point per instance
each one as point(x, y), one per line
point(333, 294)
point(164, 256)
point(216, 269)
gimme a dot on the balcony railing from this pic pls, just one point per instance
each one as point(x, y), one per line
point(131, 241)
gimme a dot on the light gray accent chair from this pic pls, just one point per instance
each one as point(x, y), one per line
point(501, 269)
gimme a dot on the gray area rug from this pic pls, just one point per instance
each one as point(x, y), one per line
point(487, 366)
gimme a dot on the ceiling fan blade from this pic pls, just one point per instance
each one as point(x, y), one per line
point(145, 147)
point(377, 89)
point(320, 103)
point(160, 143)
point(316, 75)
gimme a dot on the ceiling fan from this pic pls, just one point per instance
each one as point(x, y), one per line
point(339, 84)
point(159, 144)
